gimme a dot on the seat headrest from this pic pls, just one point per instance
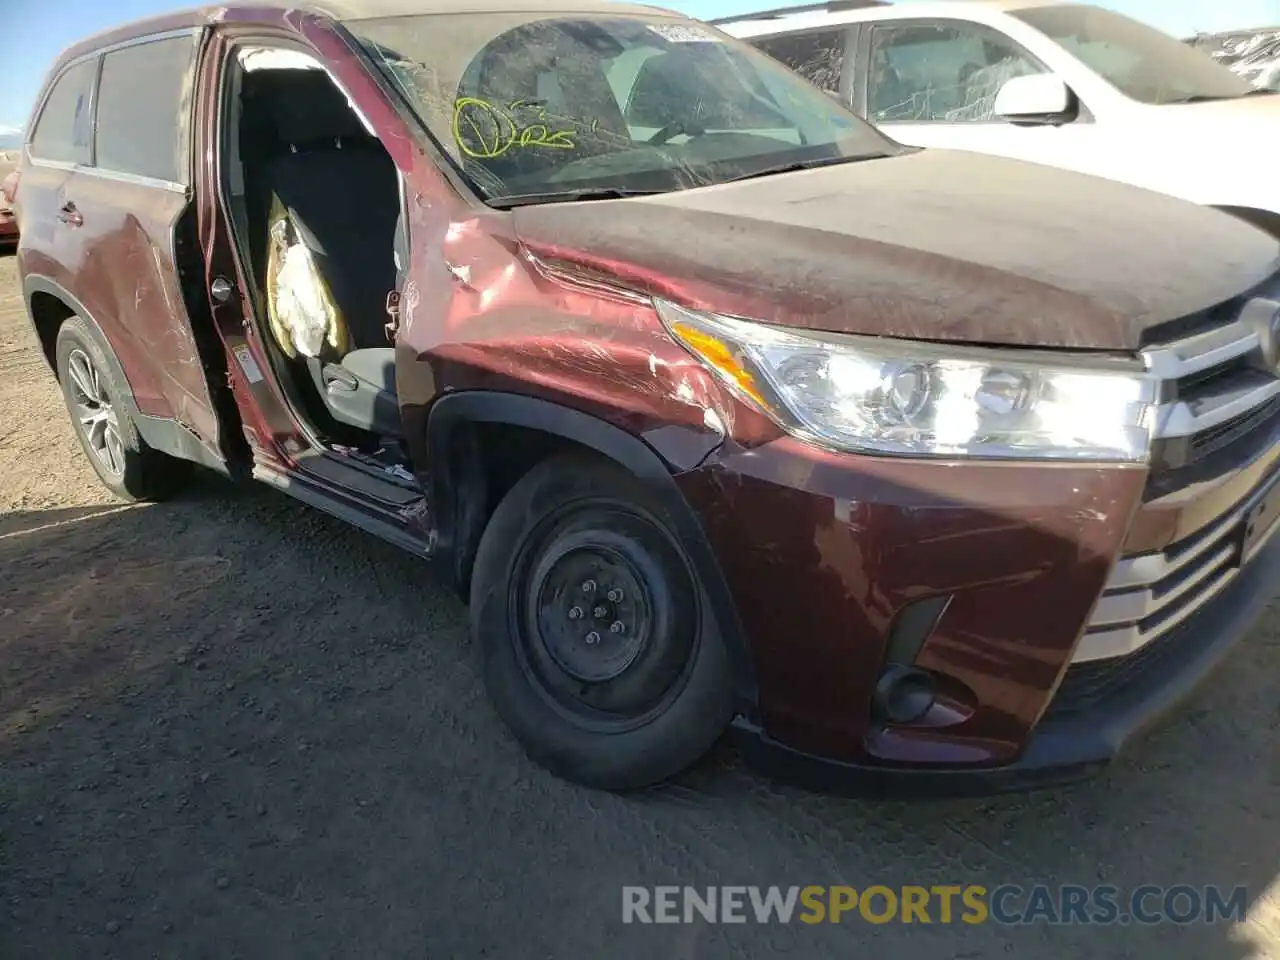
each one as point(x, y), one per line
point(304, 106)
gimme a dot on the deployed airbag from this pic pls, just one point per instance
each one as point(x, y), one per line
point(303, 316)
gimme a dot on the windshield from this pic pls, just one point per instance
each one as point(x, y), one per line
point(1140, 61)
point(553, 105)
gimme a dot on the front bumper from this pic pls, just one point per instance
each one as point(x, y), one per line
point(1067, 748)
point(8, 228)
point(826, 554)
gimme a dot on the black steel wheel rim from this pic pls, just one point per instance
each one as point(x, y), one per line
point(592, 610)
point(604, 614)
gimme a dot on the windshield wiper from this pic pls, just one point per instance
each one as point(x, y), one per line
point(805, 165)
point(507, 201)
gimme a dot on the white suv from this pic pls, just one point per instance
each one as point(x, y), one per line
point(1058, 83)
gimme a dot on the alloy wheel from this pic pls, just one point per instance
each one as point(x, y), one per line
point(96, 416)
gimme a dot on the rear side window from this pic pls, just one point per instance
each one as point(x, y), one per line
point(144, 106)
point(817, 56)
point(941, 73)
point(64, 130)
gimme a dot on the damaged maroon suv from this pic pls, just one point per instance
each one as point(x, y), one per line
point(913, 468)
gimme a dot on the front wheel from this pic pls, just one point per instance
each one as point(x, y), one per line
point(596, 642)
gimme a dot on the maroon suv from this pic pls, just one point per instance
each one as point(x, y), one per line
point(722, 408)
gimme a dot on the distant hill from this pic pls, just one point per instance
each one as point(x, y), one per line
point(10, 140)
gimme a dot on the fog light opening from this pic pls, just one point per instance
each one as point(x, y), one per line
point(904, 695)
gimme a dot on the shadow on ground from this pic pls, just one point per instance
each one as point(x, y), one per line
point(233, 727)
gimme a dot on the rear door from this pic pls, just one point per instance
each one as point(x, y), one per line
point(133, 211)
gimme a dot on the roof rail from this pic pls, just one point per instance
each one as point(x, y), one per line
point(832, 6)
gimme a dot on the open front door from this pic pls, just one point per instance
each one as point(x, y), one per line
point(272, 435)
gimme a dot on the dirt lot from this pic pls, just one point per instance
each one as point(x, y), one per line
point(233, 727)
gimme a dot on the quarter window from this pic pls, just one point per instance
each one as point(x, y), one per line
point(817, 56)
point(64, 130)
point(941, 73)
point(144, 106)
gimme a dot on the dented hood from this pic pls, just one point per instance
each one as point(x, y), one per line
point(938, 245)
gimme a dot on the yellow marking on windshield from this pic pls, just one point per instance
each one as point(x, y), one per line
point(485, 131)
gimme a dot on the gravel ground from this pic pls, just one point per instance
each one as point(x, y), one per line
point(233, 727)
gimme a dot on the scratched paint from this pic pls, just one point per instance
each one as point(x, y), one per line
point(409, 304)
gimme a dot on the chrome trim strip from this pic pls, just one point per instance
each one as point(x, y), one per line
point(1131, 606)
point(1125, 640)
point(1150, 568)
point(138, 41)
point(102, 173)
point(1178, 420)
point(65, 165)
point(1202, 351)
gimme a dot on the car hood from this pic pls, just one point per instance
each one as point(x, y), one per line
point(937, 245)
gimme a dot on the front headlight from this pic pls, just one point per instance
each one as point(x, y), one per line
point(882, 395)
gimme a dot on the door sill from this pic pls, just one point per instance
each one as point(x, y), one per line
point(393, 513)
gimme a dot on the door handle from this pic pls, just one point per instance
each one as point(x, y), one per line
point(69, 215)
point(221, 289)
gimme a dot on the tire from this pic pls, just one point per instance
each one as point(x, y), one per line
point(633, 706)
point(94, 392)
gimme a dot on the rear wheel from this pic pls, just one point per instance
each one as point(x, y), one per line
point(93, 393)
point(596, 643)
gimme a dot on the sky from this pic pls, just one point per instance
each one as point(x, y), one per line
point(34, 32)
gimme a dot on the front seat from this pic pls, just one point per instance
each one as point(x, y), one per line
point(336, 192)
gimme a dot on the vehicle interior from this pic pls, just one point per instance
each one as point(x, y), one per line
point(316, 201)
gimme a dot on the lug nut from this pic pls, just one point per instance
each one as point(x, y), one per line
point(616, 627)
point(575, 613)
point(593, 638)
point(600, 611)
point(588, 586)
point(615, 596)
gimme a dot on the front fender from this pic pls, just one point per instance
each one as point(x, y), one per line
point(453, 463)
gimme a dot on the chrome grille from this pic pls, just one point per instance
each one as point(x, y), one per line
point(1143, 613)
point(1218, 385)
point(1219, 389)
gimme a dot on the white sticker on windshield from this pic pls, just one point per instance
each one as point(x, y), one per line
point(684, 33)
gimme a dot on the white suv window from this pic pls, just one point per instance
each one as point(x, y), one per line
point(817, 55)
point(940, 73)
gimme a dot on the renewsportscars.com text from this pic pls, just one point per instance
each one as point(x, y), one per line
point(1008, 904)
